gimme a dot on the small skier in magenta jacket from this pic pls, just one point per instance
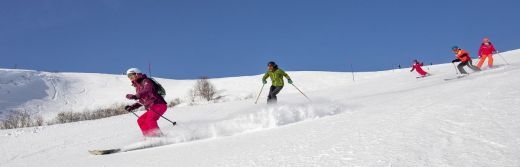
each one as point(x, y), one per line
point(147, 95)
point(417, 67)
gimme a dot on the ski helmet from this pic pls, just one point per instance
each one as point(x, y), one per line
point(133, 71)
point(454, 48)
point(271, 63)
point(485, 40)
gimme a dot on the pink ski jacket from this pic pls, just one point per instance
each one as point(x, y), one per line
point(146, 91)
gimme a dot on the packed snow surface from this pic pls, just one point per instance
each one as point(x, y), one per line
point(383, 118)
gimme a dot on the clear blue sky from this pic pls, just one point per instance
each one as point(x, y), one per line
point(186, 39)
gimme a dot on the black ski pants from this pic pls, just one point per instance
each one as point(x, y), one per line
point(469, 64)
point(273, 91)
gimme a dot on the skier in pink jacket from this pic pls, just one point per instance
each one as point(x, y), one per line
point(147, 95)
point(486, 51)
point(417, 67)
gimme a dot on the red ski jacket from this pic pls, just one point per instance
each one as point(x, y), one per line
point(486, 49)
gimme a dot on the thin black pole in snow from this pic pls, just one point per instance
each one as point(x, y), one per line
point(174, 123)
point(301, 92)
point(259, 93)
point(150, 68)
point(456, 71)
point(352, 70)
point(134, 114)
point(502, 58)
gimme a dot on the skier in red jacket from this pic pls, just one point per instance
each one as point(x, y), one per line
point(417, 67)
point(147, 95)
point(486, 51)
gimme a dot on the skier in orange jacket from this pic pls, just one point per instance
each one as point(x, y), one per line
point(464, 58)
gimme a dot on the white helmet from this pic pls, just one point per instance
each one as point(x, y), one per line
point(133, 70)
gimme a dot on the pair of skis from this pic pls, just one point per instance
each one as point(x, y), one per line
point(103, 152)
point(117, 150)
point(446, 79)
point(457, 77)
point(149, 143)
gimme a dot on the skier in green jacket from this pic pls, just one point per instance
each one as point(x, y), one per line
point(276, 76)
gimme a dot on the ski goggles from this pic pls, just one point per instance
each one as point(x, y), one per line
point(131, 75)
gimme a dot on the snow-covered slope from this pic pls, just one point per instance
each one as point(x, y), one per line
point(386, 118)
point(48, 93)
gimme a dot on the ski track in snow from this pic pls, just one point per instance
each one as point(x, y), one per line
point(254, 120)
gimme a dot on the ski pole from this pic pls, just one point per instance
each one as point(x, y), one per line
point(174, 123)
point(134, 114)
point(456, 72)
point(301, 92)
point(352, 70)
point(259, 93)
point(502, 58)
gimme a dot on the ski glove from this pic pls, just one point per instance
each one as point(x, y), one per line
point(131, 97)
point(132, 107)
point(129, 108)
point(289, 81)
point(264, 82)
